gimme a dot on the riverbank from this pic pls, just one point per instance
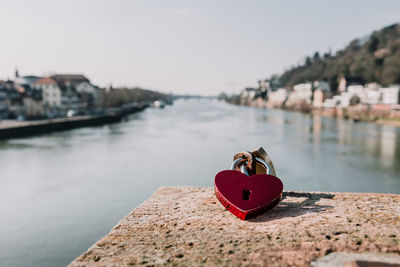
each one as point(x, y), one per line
point(14, 128)
point(187, 226)
point(378, 114)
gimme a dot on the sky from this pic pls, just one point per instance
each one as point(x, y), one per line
point(185, 47)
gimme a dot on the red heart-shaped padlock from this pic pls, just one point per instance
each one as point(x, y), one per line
point(246, 196)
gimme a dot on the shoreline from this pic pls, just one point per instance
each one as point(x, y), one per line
point(16, 129)
point(348, 114)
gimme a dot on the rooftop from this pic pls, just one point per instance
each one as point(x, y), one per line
point(70, 77)
point(45, 80)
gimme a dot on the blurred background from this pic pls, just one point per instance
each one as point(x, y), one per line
point(103, 102)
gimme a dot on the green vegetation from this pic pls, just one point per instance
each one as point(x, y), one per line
point(375, 59)
point(120, 96)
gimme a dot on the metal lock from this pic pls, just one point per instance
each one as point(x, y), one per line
point(245, 162)
point(246, 195)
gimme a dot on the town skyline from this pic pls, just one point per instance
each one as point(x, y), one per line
point(181, 47)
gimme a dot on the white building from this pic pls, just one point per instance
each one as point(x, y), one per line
point(26, 80)
point(303, 92)
point(372, 97)
point(371, 94)
point(278, 96)
point(85, 87)
point(249, 93)
point(51, 93)
point(390, 95)
point(368, 95)
point(357, 89)
point(340, 101)
point(330, 103)
point(373, 86)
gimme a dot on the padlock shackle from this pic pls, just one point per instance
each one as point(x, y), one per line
point(243, 169)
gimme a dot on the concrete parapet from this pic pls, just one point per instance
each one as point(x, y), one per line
point(188, 226)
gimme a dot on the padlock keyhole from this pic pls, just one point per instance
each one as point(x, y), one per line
point(246, 194)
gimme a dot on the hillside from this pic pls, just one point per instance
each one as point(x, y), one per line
point(120, 96)
point(373, 59)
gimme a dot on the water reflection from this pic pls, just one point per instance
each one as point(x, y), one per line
point(388, 146)
point(316, 129)
point(368, 139)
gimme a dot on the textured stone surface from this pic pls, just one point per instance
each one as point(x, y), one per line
point(339, 259)
point(188, 226)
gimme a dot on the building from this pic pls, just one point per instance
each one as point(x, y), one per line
point(342, 84)
point(390, 95)
point(70, 98)
point(26, 80)
point(33, 107)
point(263, 87)
point(303, 92)
point(355, 89)
point(3, 100)
point(273, 84)
point(69, 80)
point(358, 91)
point(373, 86)
point(371, 94)
point(86, 87)
point(15, 100)
point(322, 85)
point(340, 101)
point(248, 93)
point(319, 96)
point(90, 94)
point(278, 98)
point(371, 97)
point(51, 92)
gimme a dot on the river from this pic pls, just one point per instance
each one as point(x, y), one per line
point(61, 192)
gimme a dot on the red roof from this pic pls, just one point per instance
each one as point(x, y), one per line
point(73, 78)
point(45, 80)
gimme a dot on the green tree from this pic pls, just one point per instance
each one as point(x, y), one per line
point(316, 56)
point(373, 44)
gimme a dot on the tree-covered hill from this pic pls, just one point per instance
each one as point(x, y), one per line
point(120, 96)
point(374, 59)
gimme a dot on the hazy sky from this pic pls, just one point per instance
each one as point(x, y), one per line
point(194, 47)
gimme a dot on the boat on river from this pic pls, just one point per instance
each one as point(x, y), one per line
point(158, 104)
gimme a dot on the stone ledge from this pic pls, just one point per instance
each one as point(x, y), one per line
point(188, 226)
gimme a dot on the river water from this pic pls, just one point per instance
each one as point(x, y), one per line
point(61, 192)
